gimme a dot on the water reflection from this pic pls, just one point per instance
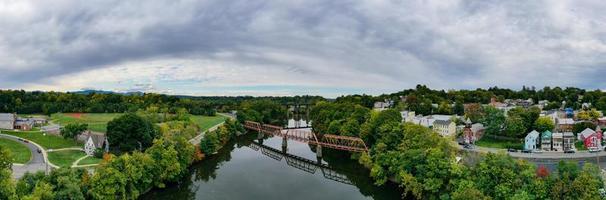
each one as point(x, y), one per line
point(248, 169)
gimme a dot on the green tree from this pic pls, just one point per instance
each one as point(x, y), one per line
point(494, 121)
point(263, 111)
point(42, 191)
point(73, 130)
point(7, 186)
point(579, 127)
point(350, 128)
point(445, 108)
point(167, 166)
point(585, 184)
point(130, 132)
point(66, 183)
point(370, 129)
point(592, 114)
point(108, 183)
point(543, 124)
point(514, 127)
point(459, 108)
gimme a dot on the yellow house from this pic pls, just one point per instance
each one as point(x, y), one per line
point(445, 127)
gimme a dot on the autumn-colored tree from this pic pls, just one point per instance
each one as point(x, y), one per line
point(542, 172)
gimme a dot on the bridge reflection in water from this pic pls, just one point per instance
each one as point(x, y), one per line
point(303, 164)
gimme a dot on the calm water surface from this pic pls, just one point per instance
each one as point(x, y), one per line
point(248, 168)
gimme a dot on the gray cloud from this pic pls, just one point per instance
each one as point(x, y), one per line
point(445, 44)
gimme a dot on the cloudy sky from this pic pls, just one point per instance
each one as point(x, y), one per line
point(329, 48)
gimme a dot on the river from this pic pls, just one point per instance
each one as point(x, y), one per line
point(247, 168)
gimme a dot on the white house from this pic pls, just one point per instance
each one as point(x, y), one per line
point(7, 120)
point(530, 141)
point(95, 141)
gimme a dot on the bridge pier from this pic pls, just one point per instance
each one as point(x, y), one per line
point(284, 142)
point(318, 151)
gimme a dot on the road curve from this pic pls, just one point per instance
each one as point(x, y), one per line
point(37, 163)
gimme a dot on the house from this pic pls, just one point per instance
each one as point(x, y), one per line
point(95, 141)
point(496, 104)
point(546, 141)
point(24, 124)
point(38, 121)
point(591, 139)
point(7, 120)
point(564, 124)
point(382, 105)
point(52, 129)
point(568, 141)
point(407, 116)
point(557, 142)
point(445, 127)
point(530, 141)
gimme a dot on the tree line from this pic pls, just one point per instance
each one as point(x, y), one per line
point(36, 102)
point(422, 99)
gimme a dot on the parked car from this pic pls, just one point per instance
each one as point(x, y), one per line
point(25, 141)
point(526, 151)
point(512, 150)
point(39, 151)
point(594, 150)
point(569, 151)
point(468, 146)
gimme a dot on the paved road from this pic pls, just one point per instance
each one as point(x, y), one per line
point(579, 155)
point(196, 140)
point(35, 164)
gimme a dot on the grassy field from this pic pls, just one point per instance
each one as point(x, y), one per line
point(64, 158)
point(90, 160)
point(46, 141)
point(206, 122)
point(21, 154)
point(499, 144)
point(96, 121)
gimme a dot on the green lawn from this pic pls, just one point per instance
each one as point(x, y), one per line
point(206, 122)
point(90, 160)
point(46, 141)
point(96, 121)
point(21, 154)
point(65, 158)
point(499, 144)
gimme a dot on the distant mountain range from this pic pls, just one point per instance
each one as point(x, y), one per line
point(92, 91)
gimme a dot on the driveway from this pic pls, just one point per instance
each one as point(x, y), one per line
point(35, 164)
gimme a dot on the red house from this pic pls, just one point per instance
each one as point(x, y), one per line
point(592, 139)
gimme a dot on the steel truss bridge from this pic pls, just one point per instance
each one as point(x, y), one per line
point(338, 142)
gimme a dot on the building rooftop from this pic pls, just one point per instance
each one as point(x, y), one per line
point(7, 117)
